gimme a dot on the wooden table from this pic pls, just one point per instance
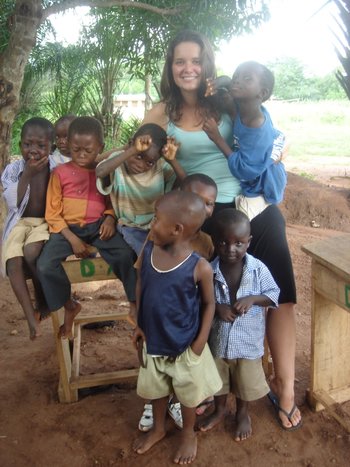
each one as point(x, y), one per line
point(330, 323)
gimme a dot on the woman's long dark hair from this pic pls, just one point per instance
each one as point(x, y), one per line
point(170, 93)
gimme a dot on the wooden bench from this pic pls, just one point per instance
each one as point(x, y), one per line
point(330, 325)
point(68, 352)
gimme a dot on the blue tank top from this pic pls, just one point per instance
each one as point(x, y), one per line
point(198, 154)
point(169, 305)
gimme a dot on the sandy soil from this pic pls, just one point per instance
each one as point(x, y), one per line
point(36, 430)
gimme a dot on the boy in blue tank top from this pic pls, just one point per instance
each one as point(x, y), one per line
point(175, 305)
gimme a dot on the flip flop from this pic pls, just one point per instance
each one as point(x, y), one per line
point(276, 405)
point(203, 406)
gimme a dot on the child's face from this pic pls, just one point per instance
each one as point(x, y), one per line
point(35, 143)
point(84, 150)
point(162, 226)
point(231, 243)
point(61, 131)
point(207, 193)
point(246, 82)
point(143, 161)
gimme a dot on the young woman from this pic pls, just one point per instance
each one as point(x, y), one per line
point(182, 112)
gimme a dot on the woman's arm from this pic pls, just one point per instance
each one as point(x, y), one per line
point(157, 115)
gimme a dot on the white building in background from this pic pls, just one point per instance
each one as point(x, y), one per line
point(132, 105)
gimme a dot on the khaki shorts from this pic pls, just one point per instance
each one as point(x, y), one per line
point(27, 230)
point(191, 377)
point(244, 378)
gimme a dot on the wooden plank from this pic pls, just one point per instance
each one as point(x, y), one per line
point(76, 352)
point(330, 349)
point(84, 319)
point(331, 286)
point(87, 270)
point(100, 379)
point(333, 253)
point(333, 408)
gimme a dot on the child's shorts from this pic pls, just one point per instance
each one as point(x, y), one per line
point(244, 378)
point(191, 377)
point(27, 230)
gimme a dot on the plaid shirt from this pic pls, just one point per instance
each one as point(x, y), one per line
point(244, 337)
point(9, 179)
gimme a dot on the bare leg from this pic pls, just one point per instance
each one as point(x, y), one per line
point(31, 253)
point(15, 271)
point(281, 335)
point(243, 423)
point(217, 416)
point(71, 309)
point(187, 449)
point(145, 442)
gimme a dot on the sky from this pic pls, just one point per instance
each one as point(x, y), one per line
point(294, 30)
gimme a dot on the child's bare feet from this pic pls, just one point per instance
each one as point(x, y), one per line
point(213, 419)
point(145, 442)
point(187, 450)
point(71, 309)
point(243, 427)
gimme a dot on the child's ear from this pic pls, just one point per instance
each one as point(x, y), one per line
point(178, 229)
point(249, 240)
point(263, 94)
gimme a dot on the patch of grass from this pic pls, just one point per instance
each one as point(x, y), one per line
point(314, 128)
point(306, 175)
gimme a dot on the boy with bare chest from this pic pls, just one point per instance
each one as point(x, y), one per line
point(25, 230)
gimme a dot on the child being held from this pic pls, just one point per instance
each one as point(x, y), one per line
point(244, 287)
point(79, 216)
point(61, 154)
point(255, 158)
point(175, 310)
point(140, 175)
point(25, 230)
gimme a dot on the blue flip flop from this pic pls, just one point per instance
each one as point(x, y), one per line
point(276, 405)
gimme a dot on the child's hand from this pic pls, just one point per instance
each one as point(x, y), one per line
point(137, 337)
point(211, 128)
point(80, 248)
point(170, 148)
point(107, 228)
point(142, 143)
point(34, 166)
point(211, 87)
point(243, 305)
point(225, 312)
point(197, 347)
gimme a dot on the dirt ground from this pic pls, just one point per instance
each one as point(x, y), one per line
point(36, 430)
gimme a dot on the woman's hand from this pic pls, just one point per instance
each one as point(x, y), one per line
point(169, 150)
point(107, 228)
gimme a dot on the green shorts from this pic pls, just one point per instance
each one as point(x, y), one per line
point(244, 378)
point(191, 377)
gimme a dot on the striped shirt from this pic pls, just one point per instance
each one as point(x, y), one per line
point(244, 337)
point(134, 195)
point(9, 179)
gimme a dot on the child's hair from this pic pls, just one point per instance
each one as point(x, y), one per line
point(86, 126)
point(198, 177)
point(65, 118)
point(156, 132)
point(226, 217)
point(266, 76)
point(185, 207)
point(42, 123)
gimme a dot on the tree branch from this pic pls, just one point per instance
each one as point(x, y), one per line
point(68, 4)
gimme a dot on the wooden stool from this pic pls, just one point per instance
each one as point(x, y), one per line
point(78, 271)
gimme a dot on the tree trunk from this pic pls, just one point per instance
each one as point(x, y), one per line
point(148, 99)
point(23, 29)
